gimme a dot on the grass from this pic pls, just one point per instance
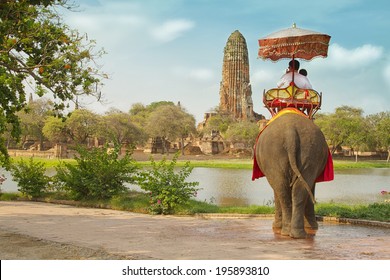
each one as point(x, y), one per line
point(343, 164)
point(376, 211)
point(228, 163)
point(48, 162)
point(9, 196)
point(139, 202)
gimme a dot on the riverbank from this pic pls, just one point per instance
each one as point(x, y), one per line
point(138, 202)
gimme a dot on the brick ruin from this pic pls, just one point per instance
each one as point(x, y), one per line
point(235, 92)
point(235, 89)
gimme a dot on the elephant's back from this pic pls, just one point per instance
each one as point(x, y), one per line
point(288, 131)
point(289, 123)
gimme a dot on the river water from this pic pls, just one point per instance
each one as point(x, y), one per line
point(234, 187)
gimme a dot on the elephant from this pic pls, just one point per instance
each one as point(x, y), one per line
point(292, 153)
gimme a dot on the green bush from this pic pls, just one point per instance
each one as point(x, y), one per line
point(167, 189)
point(31, 178)
point(98, 174)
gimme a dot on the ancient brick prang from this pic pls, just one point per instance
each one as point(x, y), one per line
point(235, 90)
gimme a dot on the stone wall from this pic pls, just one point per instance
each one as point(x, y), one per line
point(58, 151)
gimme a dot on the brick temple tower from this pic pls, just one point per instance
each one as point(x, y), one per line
point(235, 90)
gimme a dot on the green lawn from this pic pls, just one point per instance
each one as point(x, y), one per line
point(231, 163)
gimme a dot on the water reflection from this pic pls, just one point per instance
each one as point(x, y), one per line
point(235, 187)
point(231, 187)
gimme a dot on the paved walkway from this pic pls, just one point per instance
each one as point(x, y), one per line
point(139, 236)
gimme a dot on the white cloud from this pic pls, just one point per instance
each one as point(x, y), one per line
point(196, 74)
point(262, 76)
point(386, 74)
point(342, 58)
point(201, 74)
point(172, 29)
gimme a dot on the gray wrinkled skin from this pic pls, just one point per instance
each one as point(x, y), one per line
point(292, 153)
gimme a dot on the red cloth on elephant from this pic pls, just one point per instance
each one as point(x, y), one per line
point(326, 175)
point(256, 171)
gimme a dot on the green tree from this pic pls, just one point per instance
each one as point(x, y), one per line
point(119, 128)
point(33, 118)
point(38, 49)
point(140, 113)
point(219, 122)
point(381, 131)
point(243, 132)
point(344, 127)
point(170, 122)
point(82, 125)
point(55, 130)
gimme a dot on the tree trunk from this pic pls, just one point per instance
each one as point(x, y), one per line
point(164, 145)
point(182, 146)
point(41, 138)
point(388, 155)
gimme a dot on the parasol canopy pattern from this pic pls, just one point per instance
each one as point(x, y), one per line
point(294, 42)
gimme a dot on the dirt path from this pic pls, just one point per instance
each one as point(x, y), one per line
point(31, 230)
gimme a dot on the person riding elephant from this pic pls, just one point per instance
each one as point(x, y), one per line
point(292, 75)
point(292, 154)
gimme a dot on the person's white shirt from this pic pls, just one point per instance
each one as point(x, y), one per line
point(299, 80)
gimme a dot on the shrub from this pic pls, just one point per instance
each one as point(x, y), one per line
point(98, 174)
point(31, 178)
point(166, 188)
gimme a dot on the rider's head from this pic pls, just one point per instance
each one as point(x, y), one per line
point(303, 72)
point(293, 64)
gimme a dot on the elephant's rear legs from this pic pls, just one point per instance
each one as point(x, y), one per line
point(283, 212)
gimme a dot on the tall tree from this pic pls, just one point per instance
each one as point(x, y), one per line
point(54, 130)
point(243, 132)
point(82, 125)
point(119, 128)
point(140, 113)
point(219, 122)
point(170, 122)
point(381, 131)
point(344, 127)
point(33, 119)
point(38, 49)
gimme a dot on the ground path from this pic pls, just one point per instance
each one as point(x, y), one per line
point(33, 230)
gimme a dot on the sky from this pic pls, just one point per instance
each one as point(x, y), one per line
point(172, 50)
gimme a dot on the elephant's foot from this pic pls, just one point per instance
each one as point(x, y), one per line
point(277, 227)
point(311, 225)
point(297, 233)
point(277, 230)
point(277, 224)
point(285, 231)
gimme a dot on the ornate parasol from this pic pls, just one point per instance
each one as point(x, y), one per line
point(294, 43)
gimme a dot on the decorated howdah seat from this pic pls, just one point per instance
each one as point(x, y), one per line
point(307, 101)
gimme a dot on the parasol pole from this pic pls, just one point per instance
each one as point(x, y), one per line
point(293, 58)
point(293, 73)
point(293, 64)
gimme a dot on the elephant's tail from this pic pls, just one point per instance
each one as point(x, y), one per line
point(292, 157)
